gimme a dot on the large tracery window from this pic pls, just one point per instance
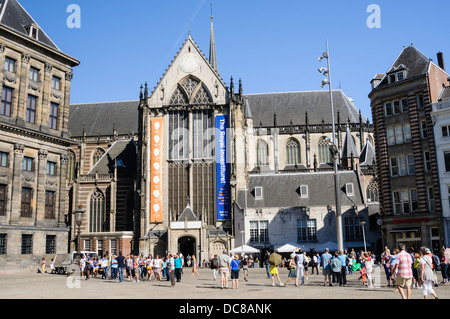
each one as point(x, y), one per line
point(179, 135)
point(97, 212)
point(203, 143)
point(372, 191)
point(324, 152)
point(292, 152)
point(96, 155)
point(191, 91)
point(202, 96)
point(262, 152)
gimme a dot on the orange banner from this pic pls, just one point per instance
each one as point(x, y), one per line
point(156, 203)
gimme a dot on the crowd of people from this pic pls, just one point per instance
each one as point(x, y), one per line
point(404, 268)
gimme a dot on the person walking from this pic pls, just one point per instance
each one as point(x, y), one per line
point(245, 266)
point(224, 269)
point(215, 267)
point(105, 268)
point(427, 274)
point(300, 260)
point(114, 266)
point(368, 264)
point(267, 264)
point(403, 272)
point(344, 265)
point(194, 266)
point(326, 268)
point(444, 267)
point(386, 263)
point(235, 267)
point(274, 274)
point(335, 265)
point(43, 263)
point(178, 265)
point(157, 266)
point(171, 268)
point(121, 264)
point(314, 264)
point(292, 270)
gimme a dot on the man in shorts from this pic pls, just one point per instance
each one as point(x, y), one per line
point(326, 267)
point(224, 269)
point(403, 272)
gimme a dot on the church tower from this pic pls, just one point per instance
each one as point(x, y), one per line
point(184, 155)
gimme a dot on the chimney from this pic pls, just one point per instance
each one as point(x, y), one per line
point(440, 57)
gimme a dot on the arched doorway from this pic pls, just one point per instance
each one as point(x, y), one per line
point(187, 246)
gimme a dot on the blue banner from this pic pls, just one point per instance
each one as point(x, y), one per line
point(222, 170)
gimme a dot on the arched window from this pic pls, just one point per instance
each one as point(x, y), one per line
point(97, 212)
point(262, 152)
point(372, 191)
point(324, 152)
point(202, 96)
point(96, 155)
point(292, 152)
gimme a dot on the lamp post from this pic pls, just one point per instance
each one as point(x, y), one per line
point(78, 221)
point(364, 235)
point(334, 149)
point(242, 235)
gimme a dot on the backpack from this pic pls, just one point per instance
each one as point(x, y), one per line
point(436, 262)
point(214, 263)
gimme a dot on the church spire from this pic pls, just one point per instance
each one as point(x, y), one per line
point(212, 46)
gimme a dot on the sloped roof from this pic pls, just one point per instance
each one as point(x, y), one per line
point(187, 215)
point(367, 156)
point(15, 17)
point(98, 118)
point(293, 105)
point(282, 190)
point(349, 148)
point(121, 154)
point(445, 94)
point(411, 59)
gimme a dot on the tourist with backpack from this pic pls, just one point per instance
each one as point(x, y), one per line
point(215, 266)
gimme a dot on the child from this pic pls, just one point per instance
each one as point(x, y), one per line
point(43, 263)
point(363, 275)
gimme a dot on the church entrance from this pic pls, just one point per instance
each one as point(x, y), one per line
point(186, 246)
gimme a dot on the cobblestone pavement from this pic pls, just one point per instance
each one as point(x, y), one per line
point(29, 285)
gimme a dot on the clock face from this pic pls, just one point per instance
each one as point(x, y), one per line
point(189, 63)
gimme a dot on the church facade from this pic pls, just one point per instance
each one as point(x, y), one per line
point(197, 166)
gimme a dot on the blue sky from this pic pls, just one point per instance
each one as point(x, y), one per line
point(272, 46)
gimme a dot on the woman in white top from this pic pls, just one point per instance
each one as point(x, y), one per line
point(157, 267)
point(427, 274)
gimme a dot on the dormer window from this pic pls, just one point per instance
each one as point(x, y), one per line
point(32, 31)
point(400, 76)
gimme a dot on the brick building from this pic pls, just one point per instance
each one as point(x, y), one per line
point(401, 101)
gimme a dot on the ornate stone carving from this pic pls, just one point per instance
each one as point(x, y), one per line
point(43, 153)
point(48, 67)
point(35, 86)
point(25, 58)
point(69, 76)
point(2, 48)
point(18, 148)
point(9, 76)
point(64, 159)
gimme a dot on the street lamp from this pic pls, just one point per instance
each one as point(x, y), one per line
point(78, 221)
point(364, 235)
point(334, 149)
point(242, 235)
